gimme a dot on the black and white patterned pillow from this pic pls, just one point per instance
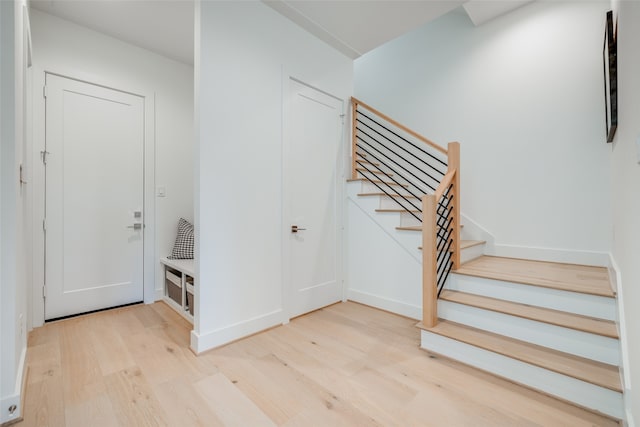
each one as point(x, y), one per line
point(183, 247)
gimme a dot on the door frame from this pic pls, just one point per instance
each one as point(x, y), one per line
point(287, 285)
point(38, 180)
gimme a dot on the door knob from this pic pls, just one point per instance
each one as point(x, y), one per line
point(295, 229)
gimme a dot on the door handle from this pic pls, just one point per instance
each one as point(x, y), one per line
point(136, 226)
point(295, 229)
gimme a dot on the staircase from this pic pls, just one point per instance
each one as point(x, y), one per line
point(548, 326)
point(545, 325)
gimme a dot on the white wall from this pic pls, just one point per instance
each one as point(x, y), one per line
point(247, 51)
point(13, 289)
point(625, 190)
point(523, 95)
point(67, 48)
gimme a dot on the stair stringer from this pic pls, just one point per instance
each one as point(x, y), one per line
point(387, 221)
point(385, 269)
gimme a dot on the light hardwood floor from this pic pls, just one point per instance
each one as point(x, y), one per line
point(345, 365)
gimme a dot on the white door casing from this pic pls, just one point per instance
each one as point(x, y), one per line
point(94, 187)
point(312, 159)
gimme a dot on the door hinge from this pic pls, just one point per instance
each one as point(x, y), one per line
point(44, 225)
point(44, 292)
point(43, 155)
point(44, 91)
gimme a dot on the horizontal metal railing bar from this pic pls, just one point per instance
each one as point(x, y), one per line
point(441, 287)
point(412, 194)
point(388, 176)
point(393, 161)
point(383, 116)
point(404, 139)
point(445, 251)
point(397, 201)
point(402, 148)
point(395, 171)
point(439, 258)
point(374, 139)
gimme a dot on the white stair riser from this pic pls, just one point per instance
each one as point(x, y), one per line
point(582, 393)
point(572, 302)
point(408, 220)
point(590, 346)
point(378, 187)
point(470, 253)
point(399, 203)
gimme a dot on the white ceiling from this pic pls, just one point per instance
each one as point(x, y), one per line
point(352, 26)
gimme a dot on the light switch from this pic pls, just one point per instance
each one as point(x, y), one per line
point(160, 192)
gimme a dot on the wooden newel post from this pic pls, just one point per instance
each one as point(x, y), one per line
point(354, 108)
point(429, 265)
point(453, 150)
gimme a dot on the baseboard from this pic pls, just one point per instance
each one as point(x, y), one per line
point(387, 304)
point(568, 256)
point(201, 342)
point(16, 398)
point(159, 294)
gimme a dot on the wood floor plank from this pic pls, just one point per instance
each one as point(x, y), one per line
point(592, 325)
point(44, 406)
point(81, 373)
point(184, 406)
point(366, 369)
point(96, 411)
point(133, 401)
point(568, 277)
point(597, 373)
point(229, 404)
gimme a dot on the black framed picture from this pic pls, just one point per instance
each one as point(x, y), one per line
point(610, 57)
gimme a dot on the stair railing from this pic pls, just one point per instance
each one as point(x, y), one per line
point(423, 179)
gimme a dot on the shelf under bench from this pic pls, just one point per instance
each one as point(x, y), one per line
point(179, 291)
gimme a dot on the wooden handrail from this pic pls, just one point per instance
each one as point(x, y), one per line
point(356, 102)
point(444, 184)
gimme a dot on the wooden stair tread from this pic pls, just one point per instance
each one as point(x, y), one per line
point(587, 370)
point(379, 172)
point(470, 243)
point(578, 322)
point(569, 277)
point(388, 195)
point(377, 181)
point(410, 228)
point(419, 228)
point(464, 244)
point(397, 210)
point(367, 162)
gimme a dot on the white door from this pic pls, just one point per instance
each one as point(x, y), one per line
point(93, 197)
point(311, 198)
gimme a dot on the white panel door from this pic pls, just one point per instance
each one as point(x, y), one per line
point(93, 198)
point(312, 164)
